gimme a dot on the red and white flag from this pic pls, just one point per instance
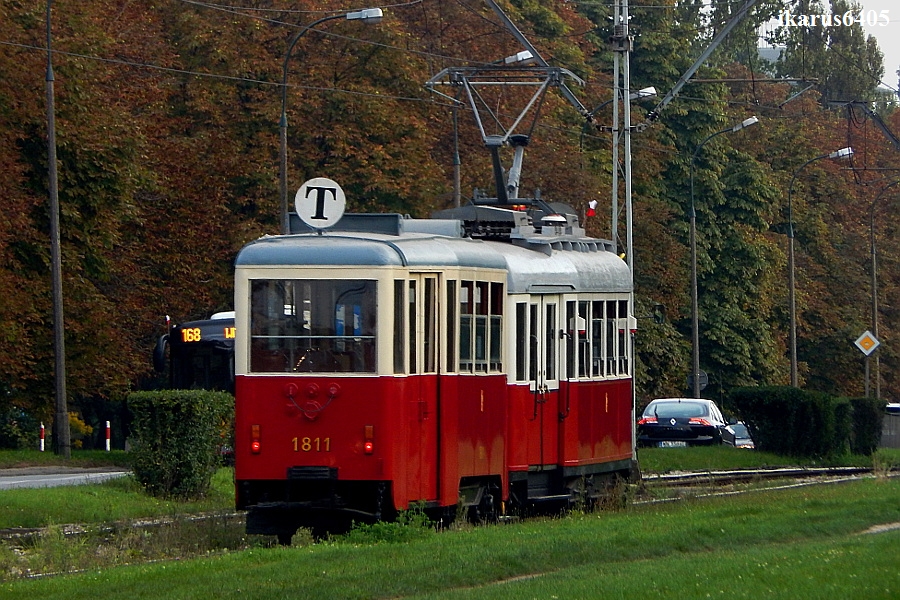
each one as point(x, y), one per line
point(592, 208)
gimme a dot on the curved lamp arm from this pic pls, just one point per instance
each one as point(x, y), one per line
point(695, 301)
point(368, 15)
point(842, 153)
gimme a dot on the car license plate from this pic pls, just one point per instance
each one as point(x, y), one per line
point(671, 444)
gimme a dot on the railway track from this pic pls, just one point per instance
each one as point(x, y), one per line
point(652, 488)
point(736, 475)
point(670, 487)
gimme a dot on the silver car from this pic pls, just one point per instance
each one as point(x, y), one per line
point(737, 435)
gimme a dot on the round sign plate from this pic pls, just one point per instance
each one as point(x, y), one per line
point(320, 203)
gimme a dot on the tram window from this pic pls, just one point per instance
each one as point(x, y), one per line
point(521, 341)
point(466, 325)
point(623, 337)
point(496, 327)
point(451, 326)
point(399, 325)
point(578, 349)
point(611, 338)
point(587, 365)
point(429, 319)
point(312, 325)
point(533, 341)
point(597, 358)
point(550, 342)
point(480, 326)
point(412, 326)
point(480, 342)
point(572, 338)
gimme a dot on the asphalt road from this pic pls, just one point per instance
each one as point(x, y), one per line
point(38, 477)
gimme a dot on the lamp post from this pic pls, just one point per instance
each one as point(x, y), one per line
point(647, 92)
point(875, 289)
point(695, 308)
point(368, 15)
point(842, 153)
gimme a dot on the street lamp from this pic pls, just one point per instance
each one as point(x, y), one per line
point(842, 153)
point(875, 290)
point(695, 308)
point(647, 92)
point(368, 15)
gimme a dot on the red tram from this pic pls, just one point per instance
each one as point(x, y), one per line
point(480, 360)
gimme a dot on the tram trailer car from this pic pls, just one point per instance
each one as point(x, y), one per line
point(479, 362)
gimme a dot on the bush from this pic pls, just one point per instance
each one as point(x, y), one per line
point(18, 429)
point(177, 436)
point(78, 430)
point(412, 524)
point(795, 422)
point(867, 422)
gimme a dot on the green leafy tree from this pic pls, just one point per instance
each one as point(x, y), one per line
point(847, 64)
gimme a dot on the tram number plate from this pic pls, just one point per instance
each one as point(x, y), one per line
point(309, 444)
point(672, 444)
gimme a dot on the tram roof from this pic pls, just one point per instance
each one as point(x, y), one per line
point(564, 268)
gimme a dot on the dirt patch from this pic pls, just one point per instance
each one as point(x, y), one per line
point(881, 528)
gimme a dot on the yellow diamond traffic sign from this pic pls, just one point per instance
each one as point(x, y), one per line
point(867, 343)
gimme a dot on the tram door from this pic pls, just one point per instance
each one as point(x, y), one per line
point(422, 416)
point(544, 365)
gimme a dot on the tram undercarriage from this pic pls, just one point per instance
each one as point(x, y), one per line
point(329, 506)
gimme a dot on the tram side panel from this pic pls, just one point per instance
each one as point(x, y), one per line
point(474, 428)
point(595, 425)
point(414, 472)
point(521, 434)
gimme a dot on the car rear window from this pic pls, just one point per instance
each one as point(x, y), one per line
point(676, 409)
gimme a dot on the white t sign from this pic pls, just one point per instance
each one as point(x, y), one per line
point(320, 203)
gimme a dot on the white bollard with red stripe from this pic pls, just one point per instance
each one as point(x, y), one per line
point(42, 437)
point(107, 436)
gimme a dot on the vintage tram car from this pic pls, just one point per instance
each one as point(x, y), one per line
point(481, 360)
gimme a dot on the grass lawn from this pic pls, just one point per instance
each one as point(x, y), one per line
point(114, 500)
point(804, 542)
point(80, 458)
point(800, 543)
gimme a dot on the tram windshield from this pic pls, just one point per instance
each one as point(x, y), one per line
point(312, 326)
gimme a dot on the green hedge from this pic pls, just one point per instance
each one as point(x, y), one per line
point(177, 438)
point(868, 420)
point(795, 422)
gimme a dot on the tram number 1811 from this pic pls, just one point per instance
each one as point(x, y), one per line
point(307, 444)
